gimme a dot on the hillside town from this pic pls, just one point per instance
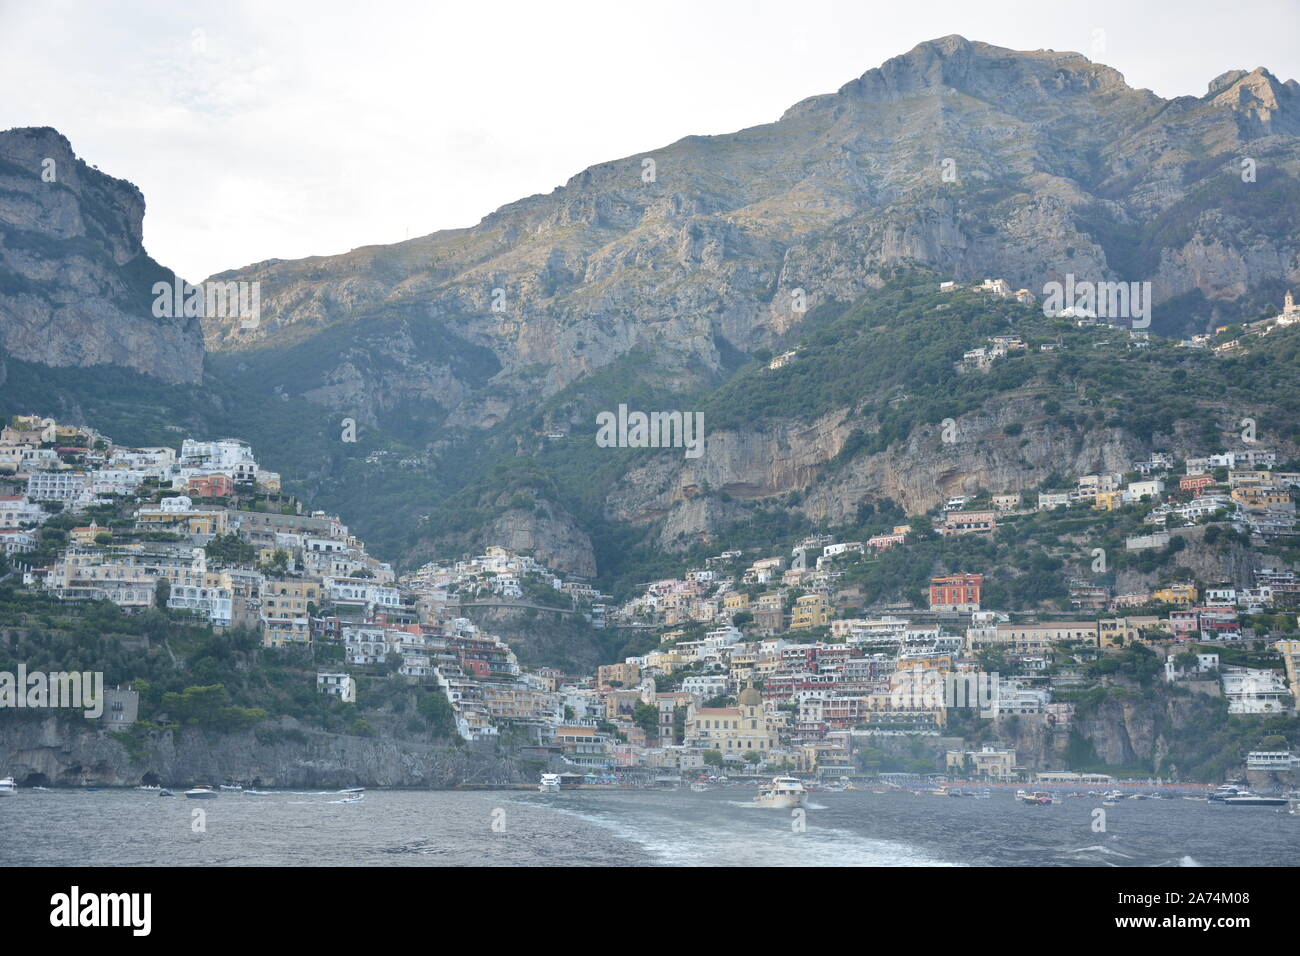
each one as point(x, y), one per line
point(760, 661)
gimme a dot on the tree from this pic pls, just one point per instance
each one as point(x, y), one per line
point(713, 758)
point(162, 592)
point(646, 716)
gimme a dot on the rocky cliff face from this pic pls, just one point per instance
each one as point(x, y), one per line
point(963, 157)
point(75, 281)
point(969, 158)
point(917, 474)
point(289, 756)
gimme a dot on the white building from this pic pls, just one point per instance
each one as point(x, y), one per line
point(1254, 690)
point(214, 602)
point(57, 485)
point(342, 686)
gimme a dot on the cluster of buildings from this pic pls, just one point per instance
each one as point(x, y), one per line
point(982, 358)
point(756, 665)
point(497, 572)
point(999, 288)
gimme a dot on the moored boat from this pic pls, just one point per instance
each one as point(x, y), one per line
point(1036, 797)
point(550, 783)
point(1248, 798)
point(7, 787)
point(201, 793)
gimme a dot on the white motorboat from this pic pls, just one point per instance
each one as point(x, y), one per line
point(232, 788)
point(783, 793)
point(1248, 798)
point(201, 793)
point(7, 787)
point(550, 783)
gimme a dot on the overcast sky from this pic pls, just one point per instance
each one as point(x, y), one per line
point(283, 129)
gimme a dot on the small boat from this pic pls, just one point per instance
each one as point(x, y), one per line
point(354, 790)
point(357, 799)
point(147, 788)
point(164, 792)
point(7, 787)
point(1036, 797)
point(202, 793)
point(232, 788)
point(550, 783)
point(698, 787)
point(257, 793)
point(783, 792)
point(41, 789)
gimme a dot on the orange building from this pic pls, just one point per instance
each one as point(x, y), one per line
point(956, 592)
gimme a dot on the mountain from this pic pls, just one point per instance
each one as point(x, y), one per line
point(75, 281)
point(1057, 166)
point(473, 362)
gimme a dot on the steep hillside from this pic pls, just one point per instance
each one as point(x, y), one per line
point(75, 281)
point(964, 157)
point(470, 365)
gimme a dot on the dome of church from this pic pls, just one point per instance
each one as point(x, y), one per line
point(750, 697)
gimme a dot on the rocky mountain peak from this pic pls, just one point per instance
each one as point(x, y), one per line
point(1260, 98)
point(954, 64)
point(75, 280)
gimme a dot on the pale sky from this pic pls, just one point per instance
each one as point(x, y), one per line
point(285, 129)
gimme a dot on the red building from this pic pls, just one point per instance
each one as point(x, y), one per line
point(211, 486)
point(1195, 483)
point(956, 592)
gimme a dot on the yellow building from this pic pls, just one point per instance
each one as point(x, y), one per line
point(87, 534)
point(284, 611)
point(1176, 594)
point(176, 515)
point(1108, 500)
point(744, 728)
point(1118, 632)
point(811, 610)
point(1290, 651)
point(623, 675)
point(1260, 498)
point(735, 602)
